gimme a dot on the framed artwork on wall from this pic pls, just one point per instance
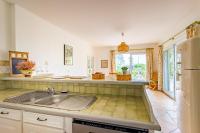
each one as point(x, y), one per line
point(104, 63)
point(16, 57)
point(68, 55)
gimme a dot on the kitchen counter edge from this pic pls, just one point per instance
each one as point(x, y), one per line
point(87, 80)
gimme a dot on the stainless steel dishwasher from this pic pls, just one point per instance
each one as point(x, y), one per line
point(83, 126)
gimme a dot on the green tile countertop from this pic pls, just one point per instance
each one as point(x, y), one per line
point(121, 107)
point(122, 110)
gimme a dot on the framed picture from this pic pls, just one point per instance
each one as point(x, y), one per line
point(104, 63)
point(68, 55)
point(16, 57)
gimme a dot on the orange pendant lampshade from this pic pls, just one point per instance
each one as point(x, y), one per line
point(123, 47)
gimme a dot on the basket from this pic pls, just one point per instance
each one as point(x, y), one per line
point(123, 77)
point(98, 76)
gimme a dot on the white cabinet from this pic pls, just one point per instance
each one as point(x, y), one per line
point(11, 114)
point(68, 125)
point(10, 126)
point(10, 121)
point(31, 128)
point(43, 119)
point(43, 123)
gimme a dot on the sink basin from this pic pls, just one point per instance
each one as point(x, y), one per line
point(52, 100)
point(29, 97)
point(67, 101)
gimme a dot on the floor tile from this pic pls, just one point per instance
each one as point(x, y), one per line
point(165, 111)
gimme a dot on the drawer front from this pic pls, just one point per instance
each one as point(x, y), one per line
point(10, 114)
point(30, 128)
point(43, 119)
point(10, 126)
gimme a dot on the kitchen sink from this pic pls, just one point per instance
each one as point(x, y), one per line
point(67, 101)
point(51, 100)
point(29, 97)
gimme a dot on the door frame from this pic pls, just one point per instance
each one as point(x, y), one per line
point(173, 96)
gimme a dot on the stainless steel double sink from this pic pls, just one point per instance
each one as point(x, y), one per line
point(67, 101)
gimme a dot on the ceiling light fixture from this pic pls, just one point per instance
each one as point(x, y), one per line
point(123, 47)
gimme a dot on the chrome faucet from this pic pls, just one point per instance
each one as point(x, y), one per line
point(51, 91)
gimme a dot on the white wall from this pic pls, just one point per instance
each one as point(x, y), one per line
point(45, 43)
point(103, 53)
point(5, 29)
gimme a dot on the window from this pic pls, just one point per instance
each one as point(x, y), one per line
point(136, 62)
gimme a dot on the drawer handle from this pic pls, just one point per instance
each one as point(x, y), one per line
point(4, 113)
point(39, 119)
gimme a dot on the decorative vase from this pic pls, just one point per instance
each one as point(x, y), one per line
point(27, 73)
point(124, 72)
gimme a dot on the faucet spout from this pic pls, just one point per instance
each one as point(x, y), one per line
point(51, 91)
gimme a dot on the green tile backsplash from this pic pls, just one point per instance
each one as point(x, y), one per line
point(2, 84)
point(93, 88)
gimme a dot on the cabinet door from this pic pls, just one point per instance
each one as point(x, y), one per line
point(10, 126)
point(30, 128)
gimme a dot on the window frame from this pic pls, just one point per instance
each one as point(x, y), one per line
point(166, 77)
point(140, 52)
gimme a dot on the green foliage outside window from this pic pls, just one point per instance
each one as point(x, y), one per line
point(139, 71)
point(135, 66)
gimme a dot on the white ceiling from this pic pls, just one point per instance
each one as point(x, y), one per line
point(100, 22)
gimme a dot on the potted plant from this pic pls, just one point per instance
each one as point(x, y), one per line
point(124, 69)
point(26, 68)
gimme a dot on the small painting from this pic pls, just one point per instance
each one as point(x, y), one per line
point(68, 55)
point(16, 57)
point(104, 63)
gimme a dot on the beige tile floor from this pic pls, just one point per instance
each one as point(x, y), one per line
point(165, 110)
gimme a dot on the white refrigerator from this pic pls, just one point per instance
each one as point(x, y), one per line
point(189, 117)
